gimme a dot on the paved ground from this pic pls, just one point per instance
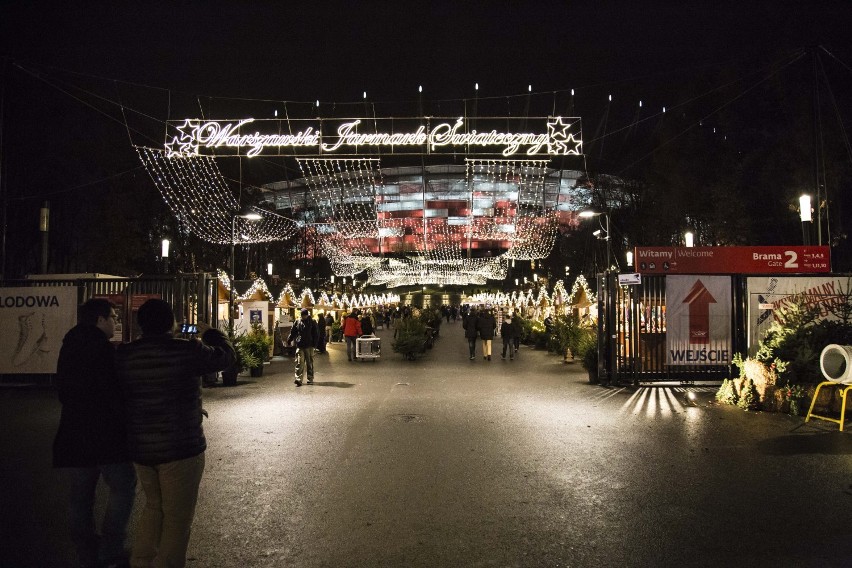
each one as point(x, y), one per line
point(451, 462)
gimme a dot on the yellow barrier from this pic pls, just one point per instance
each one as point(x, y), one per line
point(844, 392)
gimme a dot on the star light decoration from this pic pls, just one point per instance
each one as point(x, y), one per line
point(560, 140)
point(185, 144)
point(198, 195)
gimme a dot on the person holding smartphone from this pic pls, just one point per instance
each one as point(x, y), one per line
point(160, 378)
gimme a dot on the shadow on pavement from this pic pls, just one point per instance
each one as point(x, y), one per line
point(830, 443)
point(221, 386)
point(337, 384)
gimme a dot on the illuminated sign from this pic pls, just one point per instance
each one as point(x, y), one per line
point(251, 137)
point(733, 260)
point(698, 311)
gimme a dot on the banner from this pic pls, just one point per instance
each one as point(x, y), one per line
point(768, 296)
point(505, 136)
point(34, 320)
point(733, 260)
point(698, 317)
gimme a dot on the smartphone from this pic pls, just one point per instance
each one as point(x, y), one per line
point(189, 328)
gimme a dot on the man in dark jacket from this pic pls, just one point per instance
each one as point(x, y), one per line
point(90, 442)
point(470, 332)
point(304, 334)
point(160, 376)
point(507, 332)
point(486, 325)
point(366, 324)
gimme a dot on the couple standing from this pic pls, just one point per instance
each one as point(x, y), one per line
point(133, 413)
point(480, 323)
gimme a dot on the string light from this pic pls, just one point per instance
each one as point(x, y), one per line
point(199, 197)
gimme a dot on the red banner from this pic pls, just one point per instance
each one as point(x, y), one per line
point(732, 260)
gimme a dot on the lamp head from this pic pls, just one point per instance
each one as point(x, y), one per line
point(589, 213)
point(249, 214)
point(805, 208)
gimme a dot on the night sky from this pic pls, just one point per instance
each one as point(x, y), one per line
point(68, 70)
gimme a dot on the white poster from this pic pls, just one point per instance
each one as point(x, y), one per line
point(698, 317)
point(251, 312)
point(33, 322)
point(769, 295)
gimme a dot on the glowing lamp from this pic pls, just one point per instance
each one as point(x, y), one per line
point(805, 208)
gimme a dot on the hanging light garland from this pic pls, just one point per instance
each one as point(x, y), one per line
point(196, 192)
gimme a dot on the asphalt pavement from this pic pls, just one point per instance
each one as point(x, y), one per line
point(447, 462)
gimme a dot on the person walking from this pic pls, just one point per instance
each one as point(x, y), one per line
point(471, 332)
point(351, 332)
point(160, 377)
point(507, 333)
point(304, 334)
point(486, 326)
point(322, 339)
point(366, 324)
point(516, 333)
point(329, 322)
point(90, 441)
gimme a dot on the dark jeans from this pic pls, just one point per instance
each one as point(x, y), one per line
point(350, 347)
point(120, 478)
point(471, 342)
point(509, 342)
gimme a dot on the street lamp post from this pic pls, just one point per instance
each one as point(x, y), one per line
point(588, 214)
point(249, 215)
point(164, 254)
point(807, 218)
point(606, 324)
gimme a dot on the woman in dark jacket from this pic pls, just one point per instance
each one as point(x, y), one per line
point(507, 332)
point(471, 332)
point(486, 326)
point(160, 376)
point(366, 324)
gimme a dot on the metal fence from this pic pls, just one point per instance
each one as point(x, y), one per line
point(632, 335)
point(193, 296)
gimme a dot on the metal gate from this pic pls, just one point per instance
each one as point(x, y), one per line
point(632, 335)
point(192, 296)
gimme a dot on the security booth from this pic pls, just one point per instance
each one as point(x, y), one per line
point(686, 312)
